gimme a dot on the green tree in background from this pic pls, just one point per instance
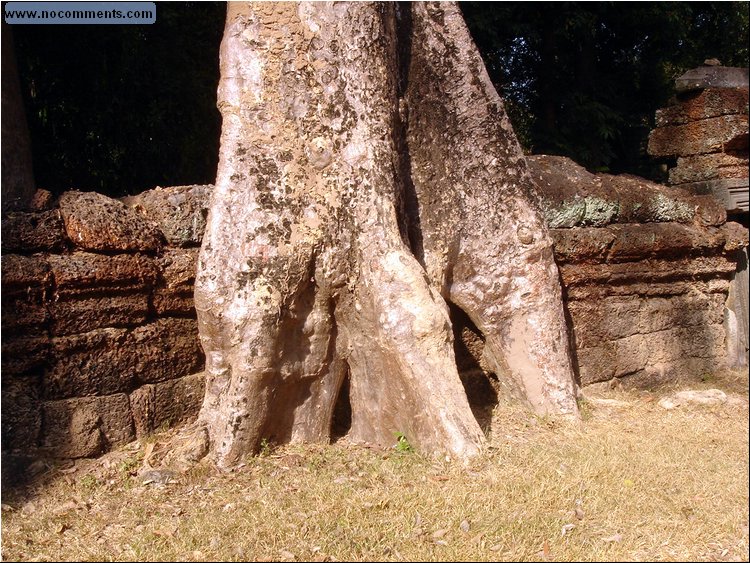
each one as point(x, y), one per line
point(123, 108)
point(583, 79)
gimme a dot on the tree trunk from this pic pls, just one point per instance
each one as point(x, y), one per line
point(368, 176)
point(17, 174)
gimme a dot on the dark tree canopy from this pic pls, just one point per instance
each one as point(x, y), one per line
point(583, 79)
point(120, 109)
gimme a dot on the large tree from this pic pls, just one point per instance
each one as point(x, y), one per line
point(368, 178)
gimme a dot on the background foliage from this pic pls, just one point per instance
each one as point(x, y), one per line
point(121, 109)
point(583, 79)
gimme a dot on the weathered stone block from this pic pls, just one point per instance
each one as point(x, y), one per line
point(694, 309)
point(95, 222)
point(168, 302)
point(21, 414)
point(25, 353)
point(581, 244)
point(100, 362)
point(705, 136)
point(655, 288)
point(24, 274)
point(19, 314)
point(32, 232)
point(712, 77)
point(87, 426)
point(180, 211)
point(86, 270)
point(634, 242)
point(595, 322)
point(596, 364)
point(41, 201)
point(680, 370)
point(573, 197)
point(170, 403)
point(632, 278)
point(178, 267)
point(711, 102)
point(731, 192)
point(167, 349)
point(83, 313)
point(631, 354)
point(695, 342)
point(735, 236)
point(700, 168)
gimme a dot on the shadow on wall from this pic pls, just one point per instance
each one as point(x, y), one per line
point(99, 342)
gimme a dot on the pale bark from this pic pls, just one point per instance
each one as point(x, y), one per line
point(325, 256)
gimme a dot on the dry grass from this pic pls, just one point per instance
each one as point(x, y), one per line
point(631, 482)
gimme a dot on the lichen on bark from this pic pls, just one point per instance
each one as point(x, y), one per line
point(368, 177)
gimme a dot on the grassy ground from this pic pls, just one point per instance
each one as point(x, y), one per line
point(633, 481)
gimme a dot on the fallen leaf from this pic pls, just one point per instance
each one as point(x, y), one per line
point(439, 477)
point(477, 539)
point(465, 526)
point(28, 508)
point(286, 554)
point(496, 547)
point(567, 528)
point(61, 528)
point(66, 507)
point(165, 532)
point(611, 539)
point(147, 455)
point(437, 534)
point(580, 514)
point(545, 549)
point(441, 542)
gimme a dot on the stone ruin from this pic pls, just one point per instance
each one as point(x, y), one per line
point(100, 343)
point(702, 137)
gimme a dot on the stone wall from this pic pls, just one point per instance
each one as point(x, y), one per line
point(646, 271)
point(99, 337)
point(703, 134)
point(100, 341)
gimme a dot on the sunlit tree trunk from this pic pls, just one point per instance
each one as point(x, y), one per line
point(368, 176)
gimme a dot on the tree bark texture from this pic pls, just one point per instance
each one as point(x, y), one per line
point(368, 176)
